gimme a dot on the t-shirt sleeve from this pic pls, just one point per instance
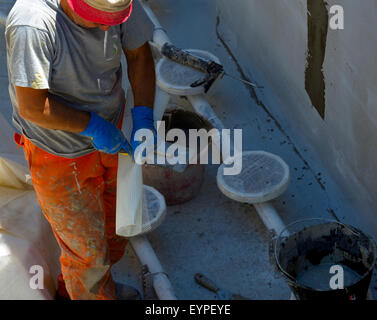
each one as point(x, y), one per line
point(29, 53)
point(138, 29)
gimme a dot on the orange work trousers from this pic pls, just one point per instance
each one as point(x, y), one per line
point(78, 198)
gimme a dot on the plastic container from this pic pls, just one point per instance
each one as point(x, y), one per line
point(306, 250)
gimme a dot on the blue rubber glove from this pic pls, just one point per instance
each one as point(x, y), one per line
point(105, 136)
point(142, 118)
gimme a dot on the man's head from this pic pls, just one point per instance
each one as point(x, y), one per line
point(97, 13)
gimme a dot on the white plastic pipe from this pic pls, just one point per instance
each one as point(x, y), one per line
point(270, 217)
point(147, 256)
point(160, 103)
point(204, 109)
point(159, 36)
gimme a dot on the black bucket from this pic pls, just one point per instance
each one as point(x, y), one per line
point(306, 251)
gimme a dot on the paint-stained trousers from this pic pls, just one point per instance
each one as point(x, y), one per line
point(78, 198)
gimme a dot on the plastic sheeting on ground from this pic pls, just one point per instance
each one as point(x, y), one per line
point(28, 250)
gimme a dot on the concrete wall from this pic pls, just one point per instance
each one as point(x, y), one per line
point(270, 39)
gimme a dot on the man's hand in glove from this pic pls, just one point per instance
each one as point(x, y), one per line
point(106, 137)
point(142, 118)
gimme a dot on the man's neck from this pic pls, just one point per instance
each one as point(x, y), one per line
point(67, 10)
point(71, 15)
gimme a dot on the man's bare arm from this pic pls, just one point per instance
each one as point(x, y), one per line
point(35, 106)
point(141, 73)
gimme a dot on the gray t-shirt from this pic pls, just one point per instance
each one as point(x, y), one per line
point(79, 67)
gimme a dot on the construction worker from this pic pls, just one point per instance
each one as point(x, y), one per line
point(64, 64)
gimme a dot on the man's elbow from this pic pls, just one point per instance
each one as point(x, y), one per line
point(31, 103)
point(28, 113)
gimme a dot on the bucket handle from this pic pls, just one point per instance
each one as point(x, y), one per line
point(285, 230)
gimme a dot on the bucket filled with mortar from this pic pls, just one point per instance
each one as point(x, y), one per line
point(178, 186)
point(323, 259)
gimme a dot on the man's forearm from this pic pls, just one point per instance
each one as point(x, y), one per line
point(59, 116)
point(35, 106)
point(141, 73)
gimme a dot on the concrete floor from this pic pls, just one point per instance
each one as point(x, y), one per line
point(212, 234)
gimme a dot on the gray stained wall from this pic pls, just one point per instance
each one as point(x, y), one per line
point(323, 81)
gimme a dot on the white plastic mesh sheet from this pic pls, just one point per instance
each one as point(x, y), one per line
point(264, 176)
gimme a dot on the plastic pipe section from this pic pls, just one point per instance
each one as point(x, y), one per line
point(270, 217)
point(203, 108)
point(159, 36)
point(147, 256)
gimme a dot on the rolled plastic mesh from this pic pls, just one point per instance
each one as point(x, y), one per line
point(154, 209)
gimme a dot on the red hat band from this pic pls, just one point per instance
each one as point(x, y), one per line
point(92, 14)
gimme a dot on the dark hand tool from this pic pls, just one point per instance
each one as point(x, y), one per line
point(212, 69)
point(221, 294)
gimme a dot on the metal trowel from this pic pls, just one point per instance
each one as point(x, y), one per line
point(221, 294)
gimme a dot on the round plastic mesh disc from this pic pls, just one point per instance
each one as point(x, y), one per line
point(264, 176)
point(154, 209)
point(176, 78)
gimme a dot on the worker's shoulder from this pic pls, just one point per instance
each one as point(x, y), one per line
point(39, 14)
